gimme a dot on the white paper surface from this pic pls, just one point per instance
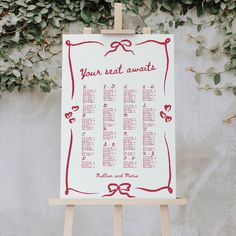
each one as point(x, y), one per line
point(118, 121)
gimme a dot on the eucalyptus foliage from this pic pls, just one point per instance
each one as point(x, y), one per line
point(30, 34)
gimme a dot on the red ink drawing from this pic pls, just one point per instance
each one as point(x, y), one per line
point(75, 108)
point(123, 44)
point(168, 186)
point(86, 73)
point(163, 114)
point(123, 189)
point(72, 120)
point(167, 40)
point(69, 115)
point(168, 118)
point(167, 107)
point(117, 71)
point(69, 44)
point(68, 166)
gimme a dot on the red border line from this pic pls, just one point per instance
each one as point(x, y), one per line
point(75, 190)
point(69, 44)
point(167, 40)
point(68, 161)
point(67, 168)
point(169, 163)
point(170, 173)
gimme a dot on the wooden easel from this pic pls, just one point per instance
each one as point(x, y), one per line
point(117, 203)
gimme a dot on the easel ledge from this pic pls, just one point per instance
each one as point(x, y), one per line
point(112, 202)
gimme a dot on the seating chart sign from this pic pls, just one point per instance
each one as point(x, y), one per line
point(118, 120)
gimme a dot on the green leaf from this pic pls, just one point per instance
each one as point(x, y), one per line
point(167, 6)
point(199, 51)
point(187, 1)
point(210, 72)
point(234, 90)
point(217, 79)
point(134, 8)
point(38, 19)
point(31, 7)
point(199, 9)
point(40, 4)
point(170, 23)
point(223, 6)
point(4, 79)
point(16, 73)
point(154, 5)
point(44, 54)
point(45, 86)
point(27, 63)
point(189, 20)
point(95, 17)
point(43, 24)
point(56, 22)
point(217, 92)
point(70, 18)
point(161, 27)
point(86, 16)
point(199, 27)
point(11, 87)
point(200, 39)
point(82, 4)
point(30, 14)
point(232, 5)
point(44, 11)
point(178, 23)
point(138, 2)
point(198, 78)
point(21, 3)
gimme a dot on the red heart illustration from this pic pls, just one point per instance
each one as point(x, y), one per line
point(163, 114)
point(68, 115)
point(168, 119)
point(167, 107)
point(72, 120)
point(75, 108)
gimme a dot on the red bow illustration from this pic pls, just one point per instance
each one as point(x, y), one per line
point(122, 189)
point(123, 43)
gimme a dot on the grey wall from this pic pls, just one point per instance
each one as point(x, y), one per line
point(206, 161)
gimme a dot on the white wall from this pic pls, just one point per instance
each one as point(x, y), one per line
point(206, 161)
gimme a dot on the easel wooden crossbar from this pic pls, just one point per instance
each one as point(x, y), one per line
point(117, 203)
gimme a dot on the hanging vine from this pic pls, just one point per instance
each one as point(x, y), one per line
point(30, 34)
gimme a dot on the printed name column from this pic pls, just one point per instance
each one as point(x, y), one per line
point(109, 133)
point(88, 124)
point(149, 135)
point(129, 128)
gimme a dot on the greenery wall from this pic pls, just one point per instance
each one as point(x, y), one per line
point(37, 26)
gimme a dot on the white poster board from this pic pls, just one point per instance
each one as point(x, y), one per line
point(118, 121)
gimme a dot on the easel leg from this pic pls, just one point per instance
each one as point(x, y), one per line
point(118, 220)
point(165, 220)
point(69, 220)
